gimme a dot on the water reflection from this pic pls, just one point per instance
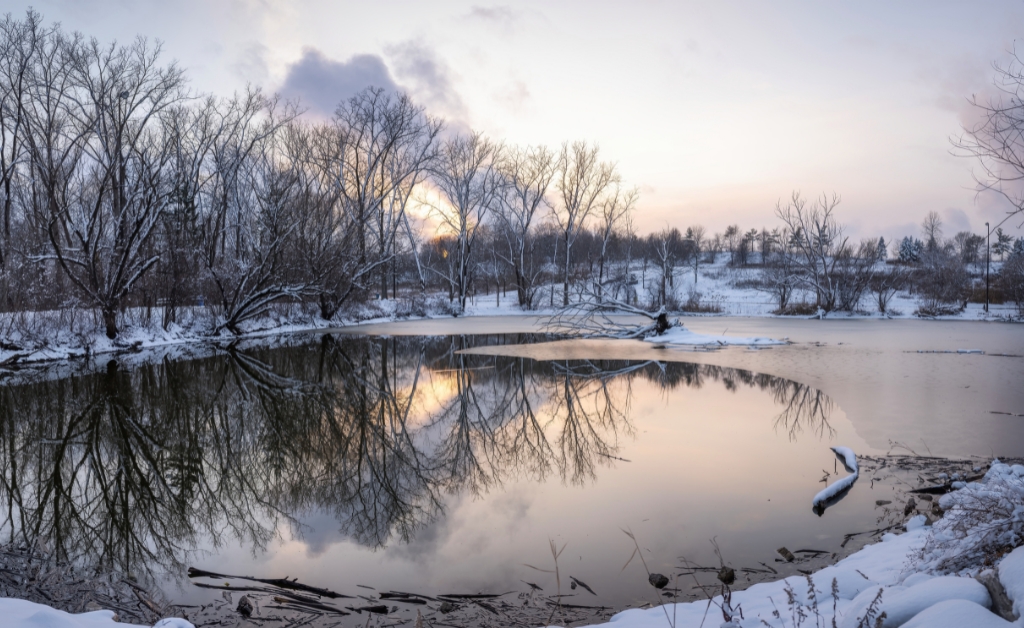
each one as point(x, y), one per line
point(131, 470)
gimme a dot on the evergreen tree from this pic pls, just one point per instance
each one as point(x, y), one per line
point(910, 250)
point(1002, 244)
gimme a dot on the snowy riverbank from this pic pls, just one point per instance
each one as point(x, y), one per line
point(957, 573)
point(963, 569)
point(722, 291)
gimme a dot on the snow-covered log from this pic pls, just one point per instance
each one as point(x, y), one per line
point(831, 495)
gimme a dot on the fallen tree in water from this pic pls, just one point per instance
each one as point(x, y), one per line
point(607, 318)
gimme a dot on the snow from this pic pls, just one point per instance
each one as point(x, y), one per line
point(981, 518)
point(173, 622)
point(1011, 574)
point(834, 490)
point(679, 335)
point(901, 576)
point(848, 457)
point(956, 614)
point(858, 575)
point(24, 614)
point(915, 522)
point(838, 489)
point(900, 606)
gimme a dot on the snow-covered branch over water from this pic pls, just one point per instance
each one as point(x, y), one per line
point(830, 495)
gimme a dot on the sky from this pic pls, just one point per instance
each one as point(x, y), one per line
point(714, 110)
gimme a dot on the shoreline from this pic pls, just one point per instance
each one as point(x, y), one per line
point(888, 561)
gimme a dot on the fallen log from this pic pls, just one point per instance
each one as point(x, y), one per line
point(284, 583)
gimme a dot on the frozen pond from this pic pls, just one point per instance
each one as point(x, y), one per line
point(444, 464)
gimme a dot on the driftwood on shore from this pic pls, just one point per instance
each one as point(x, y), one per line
point(283, 583)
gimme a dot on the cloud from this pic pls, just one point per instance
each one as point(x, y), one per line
point(955, 220)
point(502, 17)
point(251, 63)
point(429, 79)
point(514, 96)
point(321, 83)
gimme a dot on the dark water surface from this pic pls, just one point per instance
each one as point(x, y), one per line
point(400, 463)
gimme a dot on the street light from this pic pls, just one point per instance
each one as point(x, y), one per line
point(988, 255)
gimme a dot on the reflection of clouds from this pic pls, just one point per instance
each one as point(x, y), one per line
point(317, 531)
point(371, 440)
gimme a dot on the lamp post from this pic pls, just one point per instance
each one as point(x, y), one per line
point(988, 255)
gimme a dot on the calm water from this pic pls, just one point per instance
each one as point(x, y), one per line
point(401, 463)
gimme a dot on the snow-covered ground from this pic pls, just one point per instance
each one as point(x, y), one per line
point(23, 614)
point(50, 336)
point(902, 576)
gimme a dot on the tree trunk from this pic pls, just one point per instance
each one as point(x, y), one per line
point(110, 321)
point(661, 324)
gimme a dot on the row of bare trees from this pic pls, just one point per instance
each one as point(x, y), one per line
point(121, 188)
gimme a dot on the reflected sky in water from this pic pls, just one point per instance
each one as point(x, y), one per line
point(403, 464)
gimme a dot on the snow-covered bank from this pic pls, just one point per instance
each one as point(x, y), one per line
point(904, 580)
point(680, 335)
point(16, 613)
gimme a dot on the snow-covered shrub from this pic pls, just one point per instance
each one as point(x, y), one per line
point(982, 521)
point(910, 250)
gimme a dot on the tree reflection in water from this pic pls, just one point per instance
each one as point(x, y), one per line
point(131, 471)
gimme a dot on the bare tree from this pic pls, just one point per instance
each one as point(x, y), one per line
point(780, 275)
point(467, 176)
point(614, 214)
point(112, 149)
point(931, 229)
point(886, 283)
point(817, 239)
point(996, 139)
point(695, 235)
point(19, 49)
point(527, 174)
point(582, 181)
point(389, 144)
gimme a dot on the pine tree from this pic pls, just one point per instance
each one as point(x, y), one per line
point(1002, 244)
point(882, 250)
point(910, 250)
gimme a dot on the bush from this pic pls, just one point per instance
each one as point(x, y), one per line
point(695, 302)
point(798, 309)
point(944, 283)
point(1011, 281)
point(982, 521)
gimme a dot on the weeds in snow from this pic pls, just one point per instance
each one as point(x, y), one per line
point(983, 520)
